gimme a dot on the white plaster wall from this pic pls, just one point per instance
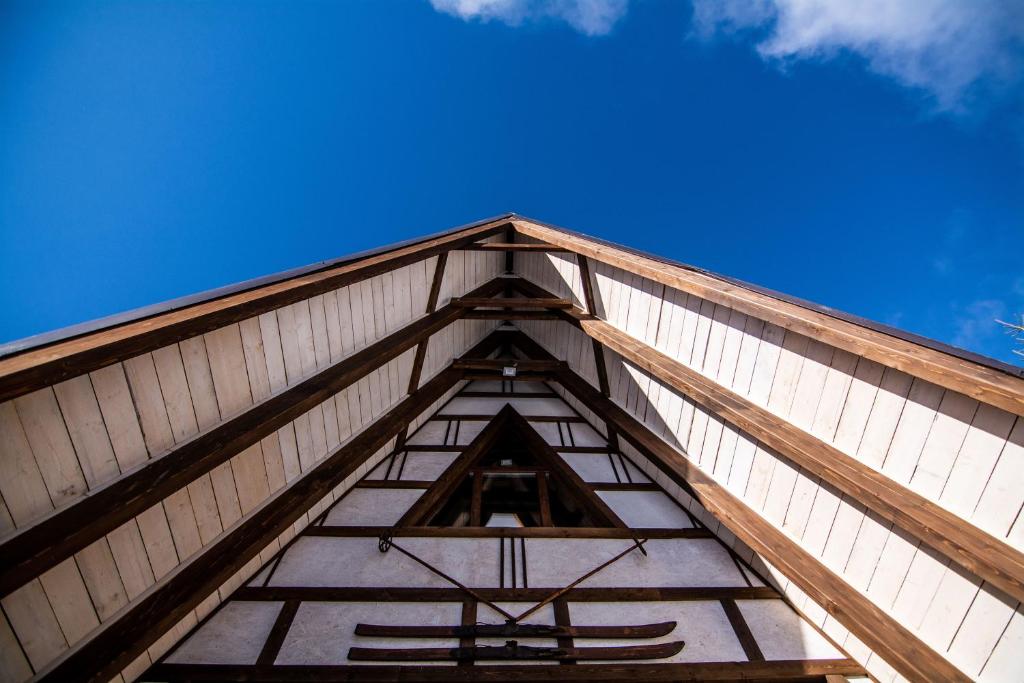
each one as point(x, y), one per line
point(323, 632)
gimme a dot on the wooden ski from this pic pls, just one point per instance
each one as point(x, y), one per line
point(512, 650)
point(516, 631)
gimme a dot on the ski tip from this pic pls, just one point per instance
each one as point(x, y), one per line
point(665, 627)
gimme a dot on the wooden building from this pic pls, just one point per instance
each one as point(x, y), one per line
point(507, 452)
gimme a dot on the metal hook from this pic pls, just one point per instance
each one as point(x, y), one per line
point(384, 543)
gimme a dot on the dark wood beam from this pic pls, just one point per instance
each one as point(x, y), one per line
point(779, 670)
point(572, 483)
point(421, 348)
point(626, 486)
point(507, 394)
point(30, 370)
point(72, 528)
point(878, 630)
point(742, 630)
point(576, 419)
point(590, 299)
point(496, 376)
point(393, 484)
point(124, 638)
point(506, 532)
point(511, 315)
point(427, 505)
point(513, 247)
point(417, 594)
point(510, 255)
point(499, 364)
point(510, 302)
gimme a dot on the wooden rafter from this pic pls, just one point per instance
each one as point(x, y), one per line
point(125, 637)
point(68, 530)
point(985, 384)
point(36, 368)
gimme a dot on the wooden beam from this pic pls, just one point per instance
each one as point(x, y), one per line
point(571, 482)
point(510, 302)
point(976, 551)
point(510, 315)
point(124, 638)
point(447, 417)
point(427, 504)
point(513, 247)
point(496, 376)
point(421, 348)
point(508, 394)
point(44, 366)
point(507, 532)
point(498, 364)
point(420, 594)
point(778, 670)
point(878, 630)
point(985, 384)
point(599, 362)
point(544, 501)
point(625, 486)
point(510, 256)
point(742, 631)
point(393, 483)
point(68, 530)
point(477, 502)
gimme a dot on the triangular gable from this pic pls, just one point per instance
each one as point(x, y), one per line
point(302, 609)
point(509, 469)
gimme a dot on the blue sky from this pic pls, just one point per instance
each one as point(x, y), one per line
point(871, 161)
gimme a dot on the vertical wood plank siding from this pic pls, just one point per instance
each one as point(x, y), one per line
point(89, 431)
point(960, 454)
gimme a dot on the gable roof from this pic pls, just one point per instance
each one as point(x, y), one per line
point(153, 467)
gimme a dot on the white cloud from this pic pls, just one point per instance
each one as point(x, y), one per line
point(592, 17)
point(950, 49)
point(976, 323)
